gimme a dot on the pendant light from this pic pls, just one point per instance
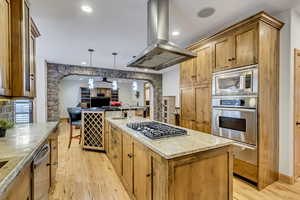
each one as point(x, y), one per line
point(134, 83)
point(91, 80)
point(115, 83)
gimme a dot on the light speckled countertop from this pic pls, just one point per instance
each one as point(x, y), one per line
point(19, 146)
point(173, 147)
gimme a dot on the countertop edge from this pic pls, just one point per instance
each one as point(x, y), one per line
point(9, 179)
point(114, 122)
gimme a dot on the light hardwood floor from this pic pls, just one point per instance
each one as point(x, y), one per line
point(86, 175)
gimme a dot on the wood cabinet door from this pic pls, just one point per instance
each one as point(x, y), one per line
point(116, 149)
point(21, 188)
point(203, 108)
point(203, 67)
point(32, 68)
point(142, 172)
point(246, 45)
point(5, 65)
point(187, 104)
point(53, 158)
point(223, 53)
point(128, 162)
point(187, 73)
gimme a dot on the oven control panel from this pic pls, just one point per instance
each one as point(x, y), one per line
point(240, 102)
point(232, 102)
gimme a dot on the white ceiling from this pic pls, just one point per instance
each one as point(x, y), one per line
point(120, 26)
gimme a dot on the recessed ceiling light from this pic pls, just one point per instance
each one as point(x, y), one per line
point(83, 63)
point(206, 12)
point(86, 8)
point(175, 33)
point(146, 70)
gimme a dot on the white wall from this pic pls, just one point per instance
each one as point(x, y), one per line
point(69, 94)
point(289, 40)
point(170, 83)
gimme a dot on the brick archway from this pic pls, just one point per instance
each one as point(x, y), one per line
point(56, 72)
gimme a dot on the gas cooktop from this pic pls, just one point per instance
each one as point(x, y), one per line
point(155, 130)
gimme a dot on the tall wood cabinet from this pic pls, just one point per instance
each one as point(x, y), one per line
point(254, 40)
point(196, 97)
point(5, 46)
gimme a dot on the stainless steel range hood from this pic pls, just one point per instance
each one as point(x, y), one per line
point(160, 53)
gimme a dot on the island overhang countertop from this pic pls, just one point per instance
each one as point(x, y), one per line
point(173, 147)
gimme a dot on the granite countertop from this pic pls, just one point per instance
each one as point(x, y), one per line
point(173, 147)
point(19, 147)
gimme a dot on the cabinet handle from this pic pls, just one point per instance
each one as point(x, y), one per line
point(148, 175)
point(55, 163)
point(130, 155)
point(232, 59)
point(229, 59)
point(297, 123)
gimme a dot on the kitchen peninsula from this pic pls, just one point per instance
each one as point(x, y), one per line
point(24, 172)
point(191, 166)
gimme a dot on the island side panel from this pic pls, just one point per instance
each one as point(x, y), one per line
point(206, 175)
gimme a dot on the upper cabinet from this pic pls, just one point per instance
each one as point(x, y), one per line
point(246, 46)
point(5, 66)
point(187, 73)
point(223, 53)
point(203, 67)
point(237, 49)
point(34, 33)
point(17, 49)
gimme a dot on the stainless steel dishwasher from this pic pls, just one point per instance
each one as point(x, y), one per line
point(41, 174)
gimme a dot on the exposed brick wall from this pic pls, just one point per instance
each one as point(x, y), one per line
point(56, 72)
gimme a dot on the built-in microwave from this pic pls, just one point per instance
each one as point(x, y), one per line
point(240, 81)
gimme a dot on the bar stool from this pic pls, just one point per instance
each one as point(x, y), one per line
point(74, 121)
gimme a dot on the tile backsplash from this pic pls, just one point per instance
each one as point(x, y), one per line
point(7, 109)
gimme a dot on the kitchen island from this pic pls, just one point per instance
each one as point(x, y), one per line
point(191, 166)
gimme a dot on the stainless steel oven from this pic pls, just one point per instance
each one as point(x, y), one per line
point(240, 81)
point(235, 118)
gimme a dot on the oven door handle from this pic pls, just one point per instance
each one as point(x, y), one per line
point(245, 146)
point(236, 109)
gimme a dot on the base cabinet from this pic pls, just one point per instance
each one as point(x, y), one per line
point(148, 176)
point(21, 188)
point(142, 173)
point(53, 141)
point(128, 163)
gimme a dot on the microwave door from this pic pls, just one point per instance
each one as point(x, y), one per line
point(228, 84)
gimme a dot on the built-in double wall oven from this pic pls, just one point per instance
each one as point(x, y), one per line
point(234, 110)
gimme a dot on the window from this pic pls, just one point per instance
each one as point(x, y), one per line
point(23, 111)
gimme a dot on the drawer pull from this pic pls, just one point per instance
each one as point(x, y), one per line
point(130, 155)
point(148, 175)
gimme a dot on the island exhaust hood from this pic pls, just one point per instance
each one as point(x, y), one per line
point(160, 53)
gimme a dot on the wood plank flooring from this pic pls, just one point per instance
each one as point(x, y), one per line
point(86, 175)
